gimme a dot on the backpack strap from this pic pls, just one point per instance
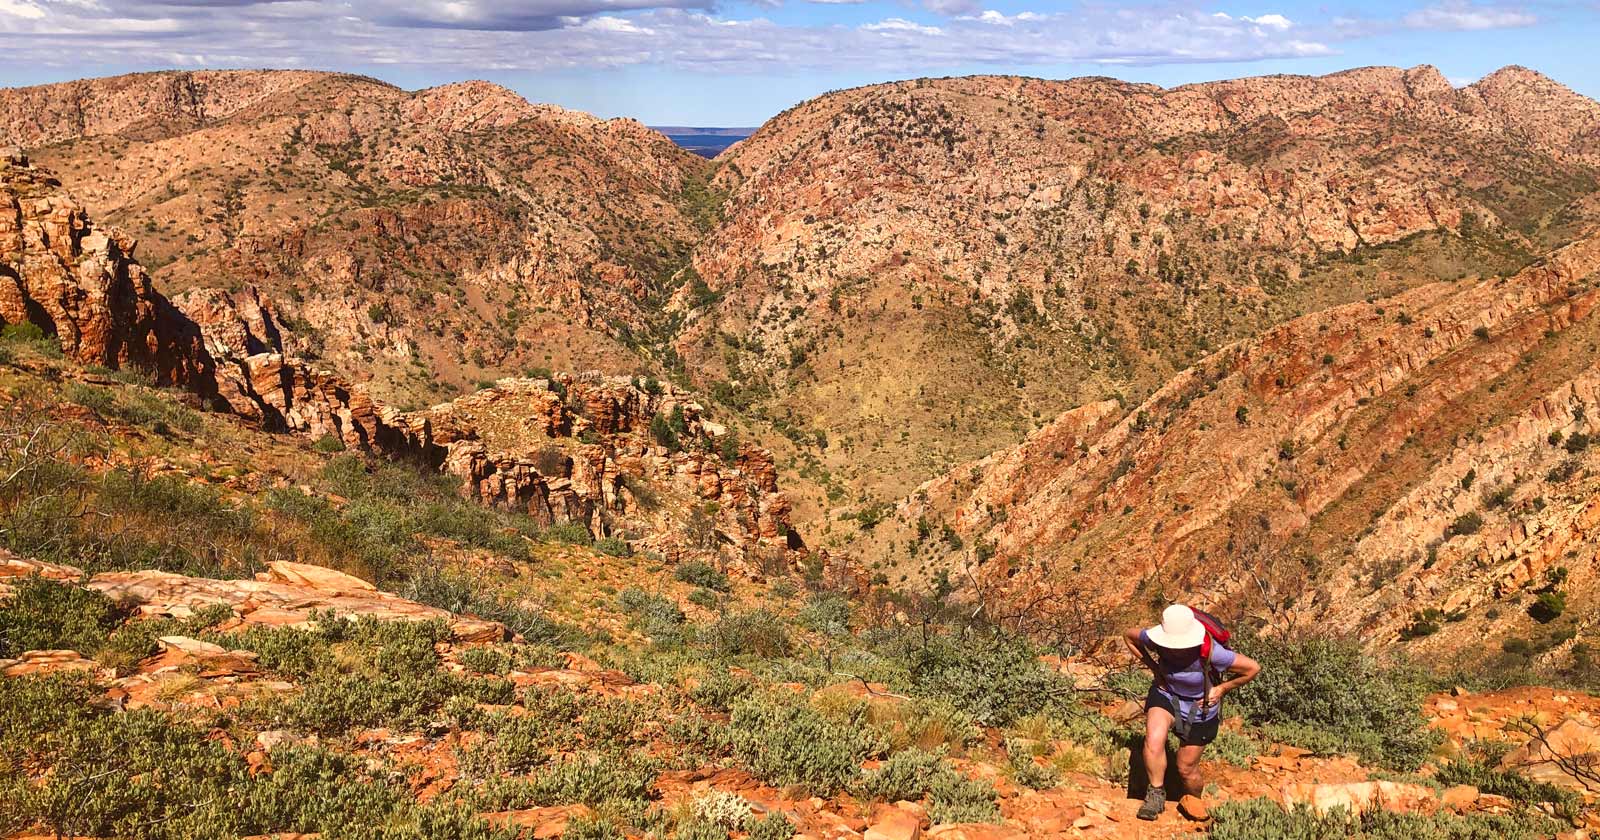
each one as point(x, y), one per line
point(1153, 664)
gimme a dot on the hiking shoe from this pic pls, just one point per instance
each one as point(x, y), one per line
point(1155, 801)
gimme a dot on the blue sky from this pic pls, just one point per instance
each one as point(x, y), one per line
point(707, 62)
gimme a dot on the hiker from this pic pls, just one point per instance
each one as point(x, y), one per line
point(1185, 653)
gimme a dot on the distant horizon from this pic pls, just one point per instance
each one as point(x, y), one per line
point(717, 63)
point(738, 129)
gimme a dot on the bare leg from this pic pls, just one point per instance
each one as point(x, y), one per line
point(1189, 769)
point(1156, 723)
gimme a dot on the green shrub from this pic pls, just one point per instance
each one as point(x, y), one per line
point(954, 798)
point(786, 742)
point(486, 660)
point(720, 689)
point(774, 826)
point(613, 547)
point(590, 779)
point(145, 775)
point(698, 829)
point(827, 614)
point(995, 679)
point(1548, 606)
point(570, 533)
point(1466, 523)
point(1031, 774)
point(1514, 786)
point(27, 334)
point(722, 808)
point(460, 594)
point(24, 331)
point(328, 444)
point(384, 674)
point(1263, 819)
point(906, 775)
point(755, 633)
point(663, 433)
point(47, 615)
point(1235, 747)
point(704, 598)
point(700, 573)
point(657, 616)
point(1331, 688)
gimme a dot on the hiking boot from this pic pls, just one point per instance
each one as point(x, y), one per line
point(1155, 801)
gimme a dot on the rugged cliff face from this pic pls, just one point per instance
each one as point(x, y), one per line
point(419, 242)
point(1357, 468)
point(82, 285)
point(960, 258)
point(610, 454)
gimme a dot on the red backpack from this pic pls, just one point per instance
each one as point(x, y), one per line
point(1216, 633)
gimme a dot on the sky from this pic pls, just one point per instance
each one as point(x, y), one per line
point(738, 62)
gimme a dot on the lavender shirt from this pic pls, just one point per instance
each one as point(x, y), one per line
point(1185, 680)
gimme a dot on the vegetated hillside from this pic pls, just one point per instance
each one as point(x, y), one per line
point(636, 461)
point(420, 241)
point(210, 631)
point(924, 271)
point(1417, 467)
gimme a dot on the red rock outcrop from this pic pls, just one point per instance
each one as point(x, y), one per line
point(521, 445)
point(81, 284)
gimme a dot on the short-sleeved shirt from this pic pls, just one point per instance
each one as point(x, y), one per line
point(1185, 681)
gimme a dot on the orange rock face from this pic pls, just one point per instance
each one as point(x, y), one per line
point(81, 284)
point(1364, 463)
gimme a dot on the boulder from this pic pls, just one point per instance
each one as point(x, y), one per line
point(892, 823)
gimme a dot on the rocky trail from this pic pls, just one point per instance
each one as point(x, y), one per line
point(191, 678)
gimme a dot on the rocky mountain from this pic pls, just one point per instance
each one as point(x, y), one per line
point(587, 450)
point(927, 270)
point(1414, 468)
point(1320, 354)
point(419, 242)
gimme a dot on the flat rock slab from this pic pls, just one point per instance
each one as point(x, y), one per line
point(287, 598)
point(39, 662)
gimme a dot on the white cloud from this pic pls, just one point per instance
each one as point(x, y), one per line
point(900, 25)
point(1274, 21)
point(1461, 15)
point(542, 35)
point(21, 9)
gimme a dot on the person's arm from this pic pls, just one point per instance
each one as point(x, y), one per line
point(1244, 670)
point(1131, 638)
point(1134, 638)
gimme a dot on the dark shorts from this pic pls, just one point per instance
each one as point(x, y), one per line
point(1201, 732)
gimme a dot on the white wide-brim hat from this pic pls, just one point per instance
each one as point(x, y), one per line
point(1178, 629)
